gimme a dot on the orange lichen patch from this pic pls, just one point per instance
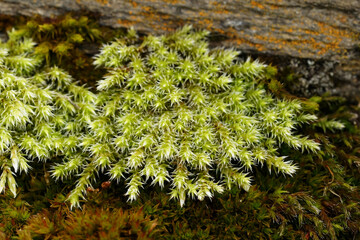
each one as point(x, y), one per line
point(221, 11)
point(342, 18)
point(168, 1)
point(273, 7)
point(279, 43)
point(319, 47)
point(203, 14)
point(173, 1)
point(205, 23)
point(103, 2)
point(216, 4)
point(150, 15)
point(329, 30)
point(324, 40)
point(135, 18)
point(246, 43)
point(231, 32)
point(267, 5)
point(219, 8)
point(241, 39)
point(219, 30)
point(153, 19)
point(257, 5)
point(126, 23)
point(273, 1)
point(167, 29)
point(335, 33)
point(134, 4)
point(274, 42)
point(146, 8)
point(333, 36)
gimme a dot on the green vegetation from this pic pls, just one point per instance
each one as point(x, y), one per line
point(94, 223)
point(38, 107)
point(318, 201)
point(172, 110)
point(67, 42)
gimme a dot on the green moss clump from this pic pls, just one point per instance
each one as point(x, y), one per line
point(68, 42)
point(13, 215)
point(38, 110)
point(172, 110)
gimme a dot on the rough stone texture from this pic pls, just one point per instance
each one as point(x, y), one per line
point(325, 33)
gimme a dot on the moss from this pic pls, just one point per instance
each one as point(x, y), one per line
point(67, 41)
point(89, 223)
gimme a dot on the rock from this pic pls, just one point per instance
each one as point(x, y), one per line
point(325, 33)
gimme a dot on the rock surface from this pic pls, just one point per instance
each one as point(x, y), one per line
point(320, 37)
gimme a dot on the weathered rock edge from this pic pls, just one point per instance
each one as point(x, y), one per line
point(323, 34)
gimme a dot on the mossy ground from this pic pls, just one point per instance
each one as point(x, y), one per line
point(321, 201)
